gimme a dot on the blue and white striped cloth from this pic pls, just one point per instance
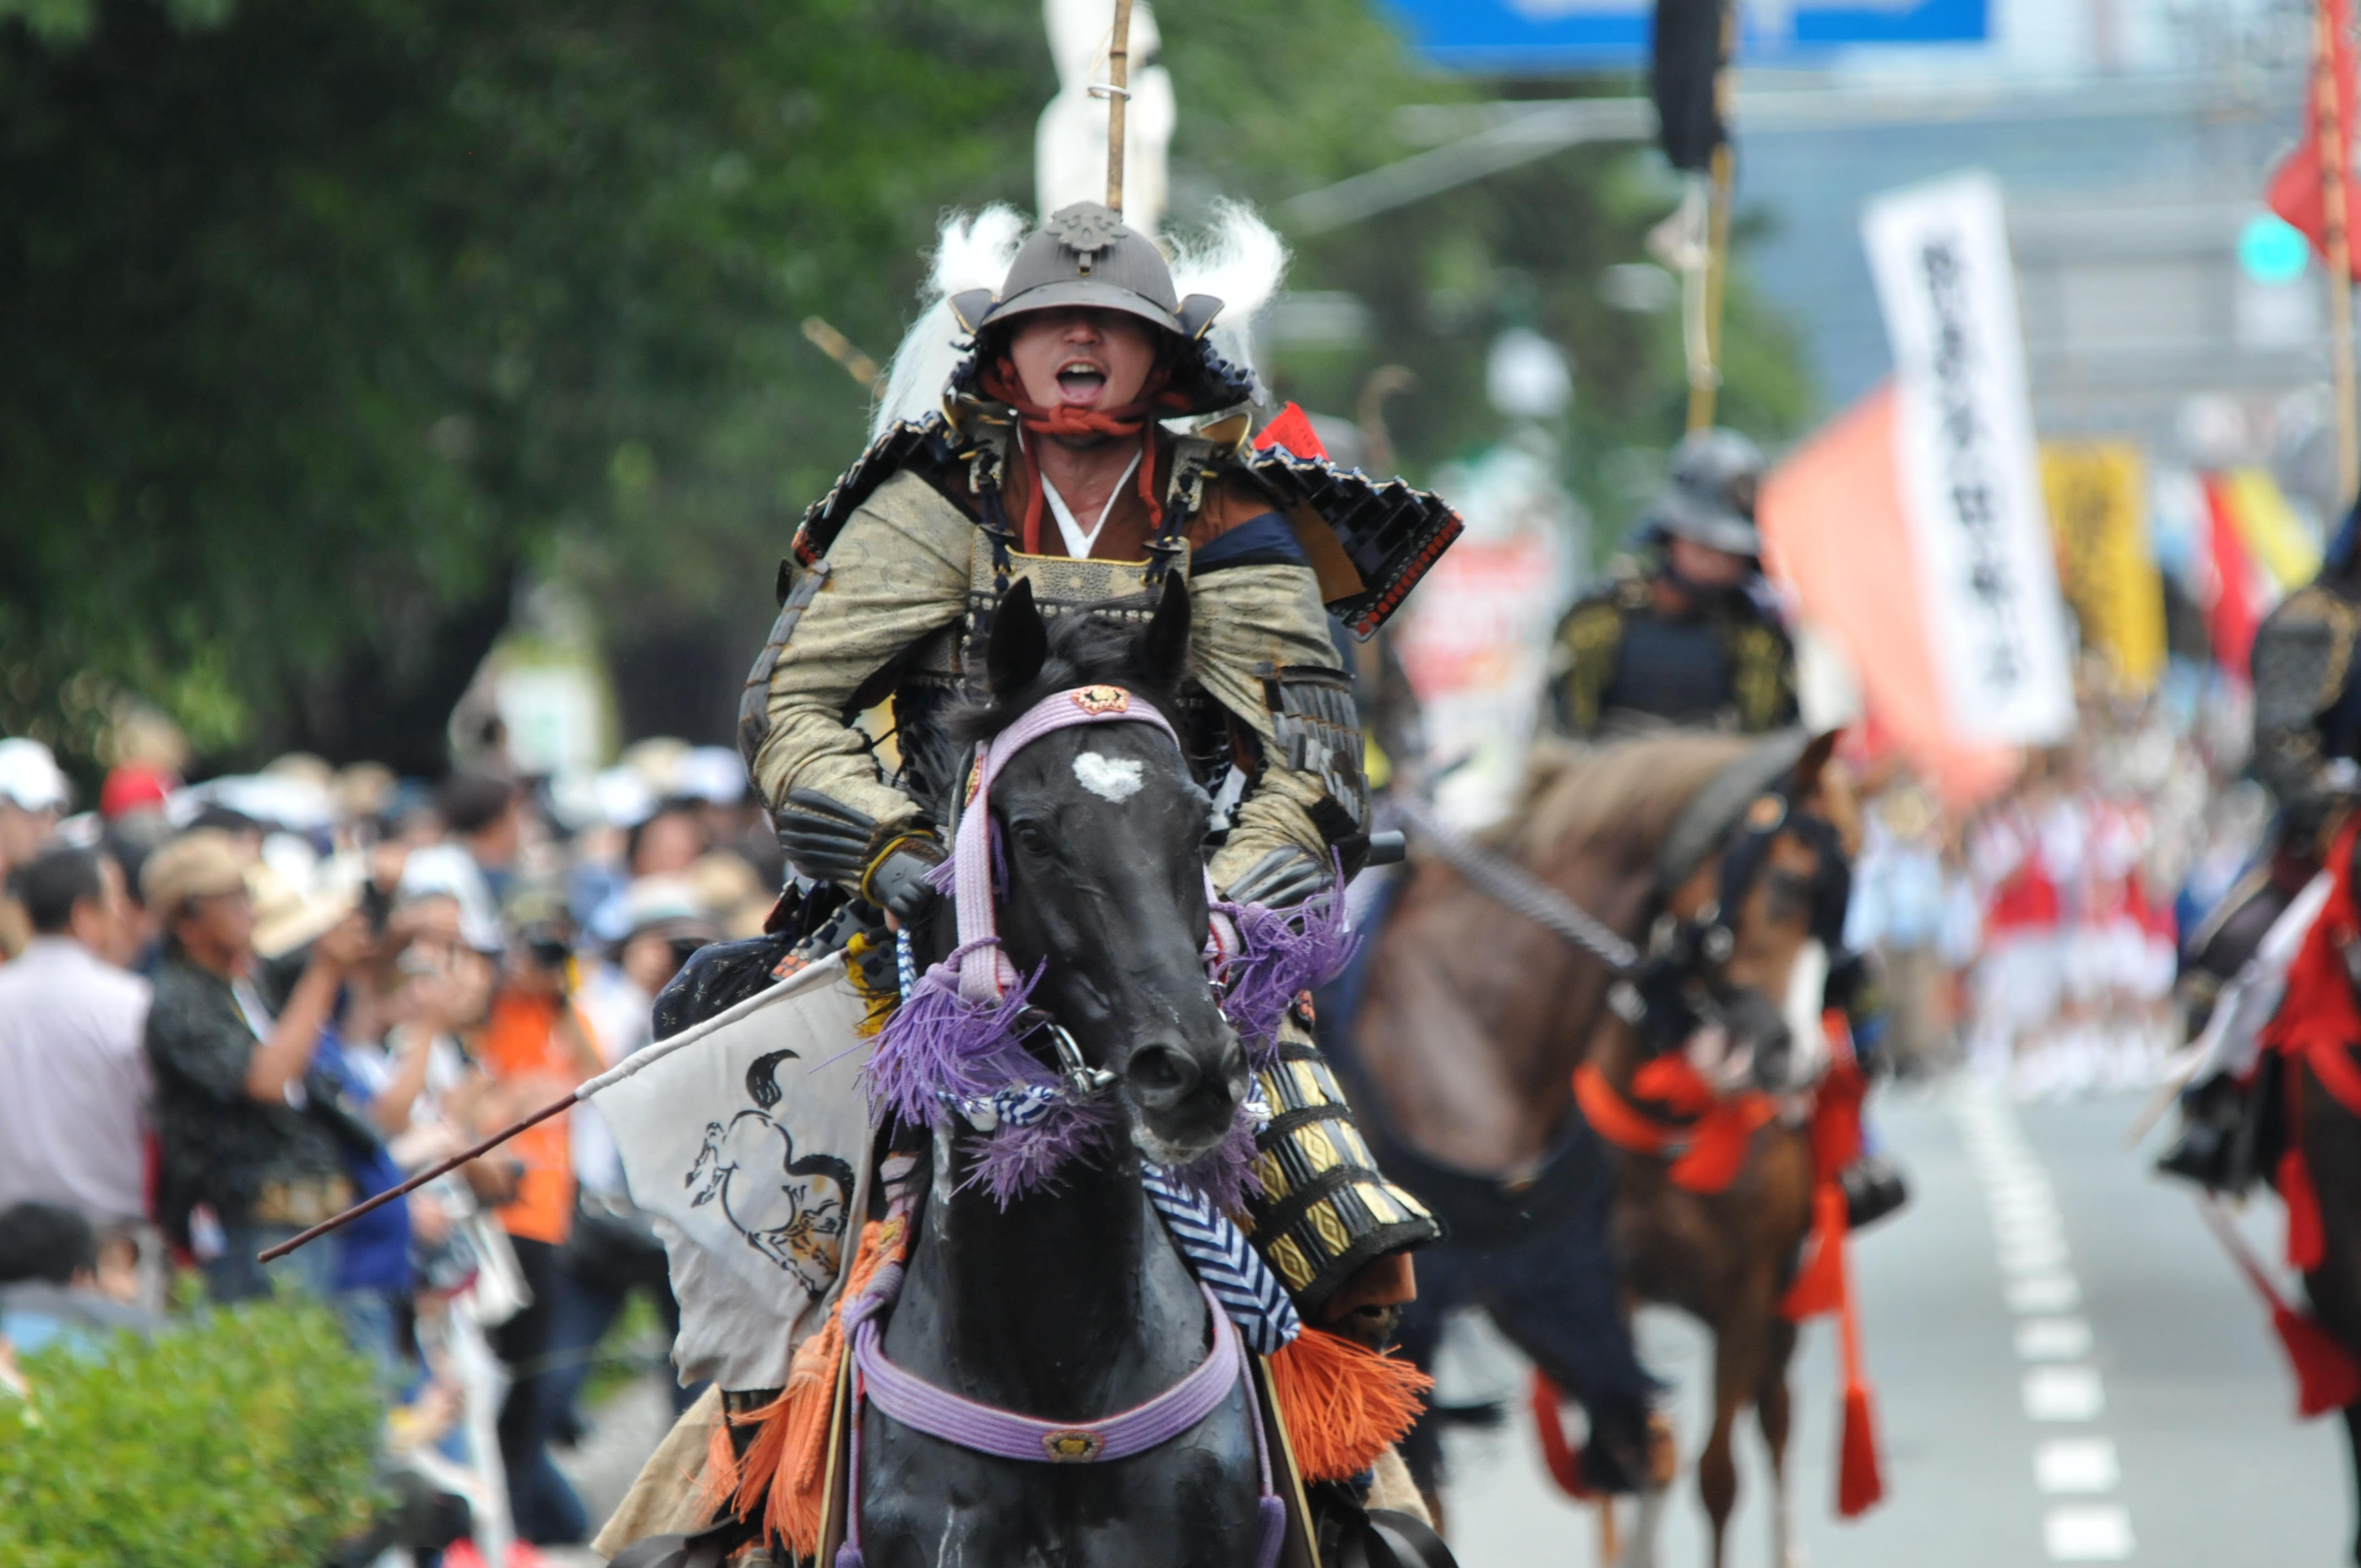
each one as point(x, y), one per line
point(1225, 1263)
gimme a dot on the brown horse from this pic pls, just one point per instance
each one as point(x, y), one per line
point(1474, 1019)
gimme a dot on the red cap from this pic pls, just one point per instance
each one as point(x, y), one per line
point(133, 787)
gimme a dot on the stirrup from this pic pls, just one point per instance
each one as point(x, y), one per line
point(1872, 1190)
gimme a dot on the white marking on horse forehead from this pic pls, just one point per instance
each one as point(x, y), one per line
point(1110, 778)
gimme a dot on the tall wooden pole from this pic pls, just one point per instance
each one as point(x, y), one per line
point(1118, 95)
point(1703, 389)
point(2329, 126)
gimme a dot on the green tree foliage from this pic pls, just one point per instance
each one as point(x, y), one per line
point(244, 1440)
point(324, 321)
point(321, 320)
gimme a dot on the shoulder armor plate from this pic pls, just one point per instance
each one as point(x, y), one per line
point(2302, 653)
point(1391, 532)
point(924, 444)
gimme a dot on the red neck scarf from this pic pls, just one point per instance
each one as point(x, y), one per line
point(1000, 382)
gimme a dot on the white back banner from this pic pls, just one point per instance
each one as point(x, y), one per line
point(747, 1138)
point(1970, 475)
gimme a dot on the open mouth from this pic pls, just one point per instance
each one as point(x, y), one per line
point(1080, 382)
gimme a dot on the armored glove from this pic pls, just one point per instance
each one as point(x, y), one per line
point(1287, 876)
point(829, 842)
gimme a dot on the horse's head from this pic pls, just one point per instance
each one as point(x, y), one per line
point(1756, 924)
point(1100, 831)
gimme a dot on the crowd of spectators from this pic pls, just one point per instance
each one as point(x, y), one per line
point(229, 1011)
point(2037, 938)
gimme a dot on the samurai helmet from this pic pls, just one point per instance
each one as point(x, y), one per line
point(1708, 498)
point(1086, 256)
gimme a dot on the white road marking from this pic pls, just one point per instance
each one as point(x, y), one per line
point(2044, 1256)
point(2044, 1293)
point(2029, 1237)
point(2076, 1465)
point(2053, 1339)
point(2064, 1394)
point(2087, 1532)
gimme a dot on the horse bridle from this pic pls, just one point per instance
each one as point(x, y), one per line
point(1664, 991)
point(1670, 994)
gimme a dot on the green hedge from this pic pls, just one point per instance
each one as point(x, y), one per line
point(242, 1439)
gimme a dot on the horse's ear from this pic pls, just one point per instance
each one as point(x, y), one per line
point(1019, 642)
point(1813, 762)
point(1164, 646)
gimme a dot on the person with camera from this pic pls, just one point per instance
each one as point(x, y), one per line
point(535, 1047)
point(251, 1154)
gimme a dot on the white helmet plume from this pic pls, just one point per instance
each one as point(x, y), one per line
point(1241, 261)
point(970, 253)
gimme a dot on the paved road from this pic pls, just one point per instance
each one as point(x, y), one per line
point(2130, 1406)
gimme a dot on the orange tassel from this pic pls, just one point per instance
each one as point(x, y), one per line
point(2307, 1242)
point(1343, 1405)
point(2326, 1377)
point(781, 1476)
point(1565, 1460)
point(1859, 1487)
point(720, 1477)
point(1819, 1285)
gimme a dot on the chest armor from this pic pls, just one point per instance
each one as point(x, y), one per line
point(1672, 669)
point(938, 669)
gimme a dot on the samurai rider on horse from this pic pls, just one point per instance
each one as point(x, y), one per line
point(1048, 486)
point(2307, 752)
point(1694, 641)
point(2271, 987)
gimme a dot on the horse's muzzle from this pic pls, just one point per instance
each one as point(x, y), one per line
point(1185, 1094)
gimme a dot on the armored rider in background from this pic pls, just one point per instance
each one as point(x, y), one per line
point(1051, 464)
point(2307, 742)
point(1695, 642)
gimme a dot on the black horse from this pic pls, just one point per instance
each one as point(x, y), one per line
point(1072, 1304)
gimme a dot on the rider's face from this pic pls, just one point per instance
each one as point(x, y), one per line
point(1705, 565)
point(1083, 357)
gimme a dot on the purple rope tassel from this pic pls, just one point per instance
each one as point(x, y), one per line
point(940, 1043)
point(1012, 1160)
point(1224, 1173)
point(1274, 1531)
point(1282, 952)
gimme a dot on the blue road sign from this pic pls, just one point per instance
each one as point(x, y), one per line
point(1611, 35)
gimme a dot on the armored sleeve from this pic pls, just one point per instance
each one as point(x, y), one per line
point(896, 573)
point(1762, 674)
point(2303, 655)
point(1262, 650)
point(1583, 659)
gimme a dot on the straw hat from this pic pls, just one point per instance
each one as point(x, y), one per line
point(288, 914)
point(199, 864)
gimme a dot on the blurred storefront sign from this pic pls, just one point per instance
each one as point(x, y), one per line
point(1614, 35)
point(1969, 486)
point(2098, 512)
point(1475, 637)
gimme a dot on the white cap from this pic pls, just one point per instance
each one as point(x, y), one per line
point(447, 870)
point(715, 774)
point(30, 777)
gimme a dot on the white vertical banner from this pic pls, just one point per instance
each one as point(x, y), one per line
point(1964, 448)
